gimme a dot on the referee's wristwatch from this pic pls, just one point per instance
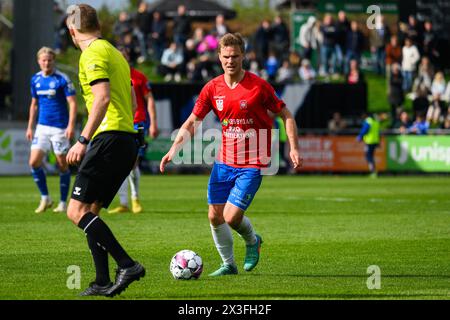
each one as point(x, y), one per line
point(83, 140)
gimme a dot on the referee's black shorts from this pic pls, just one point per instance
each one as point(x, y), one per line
point(107, 163)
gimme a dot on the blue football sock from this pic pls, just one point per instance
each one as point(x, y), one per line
point(64, 184)
point(40, 179)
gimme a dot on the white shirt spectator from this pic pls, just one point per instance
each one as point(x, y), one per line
point(410, 58)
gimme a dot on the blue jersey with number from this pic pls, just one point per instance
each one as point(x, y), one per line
point(51, 92)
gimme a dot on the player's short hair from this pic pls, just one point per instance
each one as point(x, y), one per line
point(83, 17)
point(46, 50)
point(231, 40)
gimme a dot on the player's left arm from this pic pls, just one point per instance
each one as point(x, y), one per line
point(133, 100)
point(70, 131)
point(292, 135)
point(101, 92)
point(153, 132)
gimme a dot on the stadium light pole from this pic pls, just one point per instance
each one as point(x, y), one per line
point(33, 28)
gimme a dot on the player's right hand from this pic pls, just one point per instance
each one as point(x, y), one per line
point(165, 160)
point(29, 134)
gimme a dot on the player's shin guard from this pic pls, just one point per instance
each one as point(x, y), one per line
point(123, 193)
point(95, 228)
point(223, 240)
point(64, 185)
point(245, 230)
point(40, 179)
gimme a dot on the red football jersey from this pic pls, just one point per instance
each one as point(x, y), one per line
point(246, 124)
point(141, 88)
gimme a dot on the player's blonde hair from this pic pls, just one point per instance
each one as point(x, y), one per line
point(46, 50)
point(231, 40)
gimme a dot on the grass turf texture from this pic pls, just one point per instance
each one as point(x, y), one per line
point(320, 236)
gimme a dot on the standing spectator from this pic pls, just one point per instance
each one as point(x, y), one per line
point(393, 55)
point(307, 72)
point(430, 43)
point(220, 28)
point(143, 20)
point(158, 35)
point(420, 126)
point(410, 58)
point(414, 32)
point(172, 62)
point(308, 37)
point(181, 26)
point(437, 105)
point(342, 28)
point(379, 37)
point(280, 38)
point(355, 75)
point(122, 27)
point(261, 43)
point(354, 45)
point(329, 32)
point(396, 96)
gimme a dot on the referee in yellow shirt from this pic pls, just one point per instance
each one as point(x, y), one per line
point(106, 84)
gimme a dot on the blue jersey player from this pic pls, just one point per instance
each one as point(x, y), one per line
point(51, 92)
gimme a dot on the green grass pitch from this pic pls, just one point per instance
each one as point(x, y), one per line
point(321, 233)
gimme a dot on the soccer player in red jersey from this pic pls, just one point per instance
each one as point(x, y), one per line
point(146, 124)
point(242, 101)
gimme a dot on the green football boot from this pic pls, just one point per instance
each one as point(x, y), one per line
point(252, 254)
point(224, 270)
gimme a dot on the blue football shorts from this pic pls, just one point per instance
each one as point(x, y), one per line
point(235, 185)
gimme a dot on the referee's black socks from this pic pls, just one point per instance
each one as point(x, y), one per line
point(99, 232)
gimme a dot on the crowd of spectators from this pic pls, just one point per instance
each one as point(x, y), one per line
point(331, 48)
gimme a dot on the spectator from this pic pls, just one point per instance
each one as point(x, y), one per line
point(307, 72)
point(446, 123)
point(355, 75)
point(336, 124)
point(158, 35)
point(414, 32)
point(329, 32)
point(122, 27)
point(379, 37)
point(191, 60)
point(421, 102)
point(437, 104)
point(271, 66)
point(285, 72)
point(342, 28)
point(172, 62)
point(419, 126)
point(261, 43)
point(308, 37)
point(403, 123)
point(143, 20)
point(446, 96)
point(410, 58)
point(181, 27)
point(130, 42)
point(393, 55)
point(220, 28)
point(396, 94)
point(425, 74)
point(354, 45)
point(430, 43)
point(279, 38)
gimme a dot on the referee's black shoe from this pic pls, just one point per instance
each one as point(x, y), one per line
point(124, 277)
point(95, 289)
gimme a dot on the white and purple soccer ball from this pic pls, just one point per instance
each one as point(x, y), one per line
point(185, 265)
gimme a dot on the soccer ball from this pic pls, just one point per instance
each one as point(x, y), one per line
point(185, 265)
